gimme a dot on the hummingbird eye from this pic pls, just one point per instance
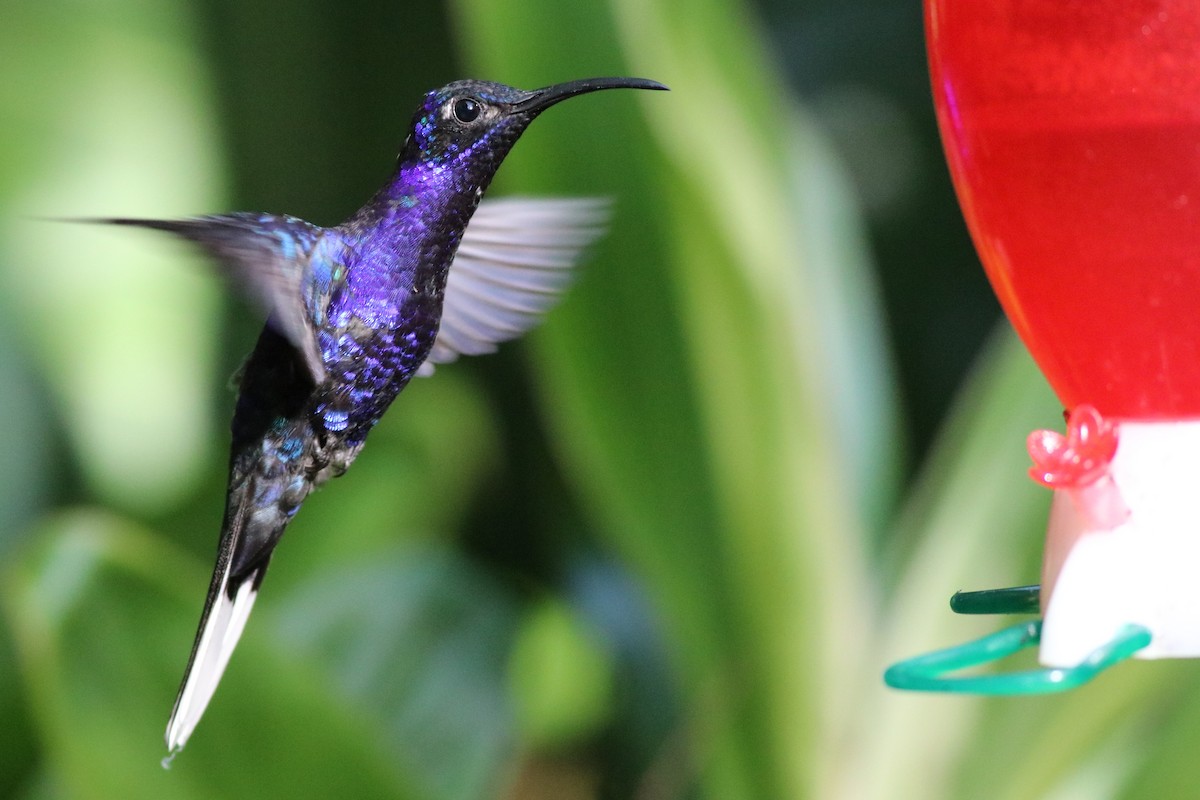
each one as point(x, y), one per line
point(466, 110)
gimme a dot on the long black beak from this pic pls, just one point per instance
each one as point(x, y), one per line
point(541, 99)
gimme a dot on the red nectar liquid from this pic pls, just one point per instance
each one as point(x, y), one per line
point(1072, 129)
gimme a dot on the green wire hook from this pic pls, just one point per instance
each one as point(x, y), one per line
point(928, 673)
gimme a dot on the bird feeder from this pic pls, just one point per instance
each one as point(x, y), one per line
point(1072, 131)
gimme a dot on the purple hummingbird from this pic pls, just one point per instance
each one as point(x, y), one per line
point(419, 275)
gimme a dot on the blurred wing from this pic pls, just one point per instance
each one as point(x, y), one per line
point(515, 260)
point(268, 256)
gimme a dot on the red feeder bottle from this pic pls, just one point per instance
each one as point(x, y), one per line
point(1072, 130)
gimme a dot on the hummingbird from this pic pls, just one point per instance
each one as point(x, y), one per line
point(422, 273)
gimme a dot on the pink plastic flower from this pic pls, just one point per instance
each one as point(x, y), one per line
point(1078, 459)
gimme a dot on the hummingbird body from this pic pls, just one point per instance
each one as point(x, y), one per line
point(358, 309)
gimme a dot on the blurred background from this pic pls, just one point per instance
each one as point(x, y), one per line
point(662, 548)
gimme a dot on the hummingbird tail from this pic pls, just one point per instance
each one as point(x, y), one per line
point(219, 633)
point(226, 609)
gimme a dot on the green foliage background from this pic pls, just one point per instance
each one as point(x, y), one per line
point(664, 548)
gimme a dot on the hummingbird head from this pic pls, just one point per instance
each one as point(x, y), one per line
point(476, 122)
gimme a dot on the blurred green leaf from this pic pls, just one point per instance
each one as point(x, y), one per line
point(561, 677)
point(1084, 743)
point(1161, 723)
point(18, 745)
point(644, 740)
point(100, 632)
point(112, 117)
point(417, 641)
point(697, 427)
point(27, 456)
